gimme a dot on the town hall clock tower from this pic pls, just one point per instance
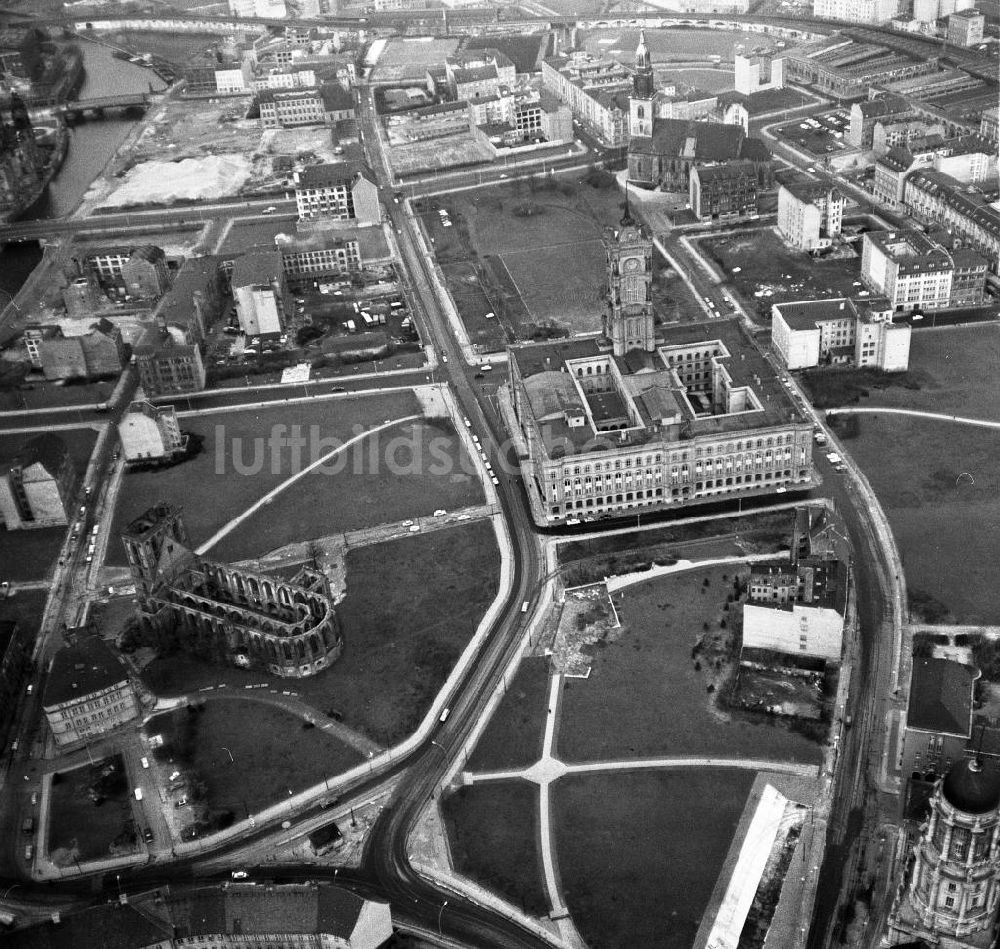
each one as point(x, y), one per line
point(628, 322)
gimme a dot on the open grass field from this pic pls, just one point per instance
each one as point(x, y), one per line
point(411, 607)
point(31, 554)
point(406, 471)
point(645, 697)
point(668, 46)
point(947, 369)
point(272, 756)
point(493, 839)
point(939, 487)
point(767, 265)
point(513, 737)
point(639, 852)
point(79, 828)
point(502, 245)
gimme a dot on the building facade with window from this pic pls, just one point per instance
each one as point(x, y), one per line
point(342, 191)
point(149, 432)
point(840, 332)
point(88, 692)
point(168, 366)
point(810, 214)
point(725, 192)
point(908, 269)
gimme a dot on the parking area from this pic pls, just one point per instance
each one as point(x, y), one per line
point(819, 135)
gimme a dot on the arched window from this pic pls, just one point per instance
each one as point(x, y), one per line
point(641, 112)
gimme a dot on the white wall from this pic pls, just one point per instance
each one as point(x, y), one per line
point(799, 349)
point(140, 437)
point(801, 631)
point(258, 311)
point(896, 353)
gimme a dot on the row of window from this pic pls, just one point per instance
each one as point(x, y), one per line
point(683, 492)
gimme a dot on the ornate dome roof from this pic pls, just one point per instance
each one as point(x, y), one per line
point(972, 788)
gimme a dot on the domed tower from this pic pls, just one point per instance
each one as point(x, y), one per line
point(954, 887)
point(640, 113)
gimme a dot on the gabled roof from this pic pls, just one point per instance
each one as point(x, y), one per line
point(941, 696)
point(47, 450)
point(80, 669)
point(687, 138)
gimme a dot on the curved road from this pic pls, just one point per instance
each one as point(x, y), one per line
point(915, 413)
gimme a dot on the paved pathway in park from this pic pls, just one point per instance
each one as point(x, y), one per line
point(916, 413)
point(288, 482)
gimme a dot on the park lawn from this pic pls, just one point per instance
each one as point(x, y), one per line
point(79, 829)
point(272, 752)
point(358, 489)
point(412, 606)
point(644, 697)
point(472, 304)
point(947, 368)
point(639, 852)
point(513, 737)
point(767, 264)
point(493, 837)
point(575, 301)
point(938, 485)
point(31, 554)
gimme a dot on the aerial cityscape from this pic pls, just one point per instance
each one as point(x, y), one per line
point(499, 473)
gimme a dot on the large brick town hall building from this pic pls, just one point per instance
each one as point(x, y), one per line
point(288, 627)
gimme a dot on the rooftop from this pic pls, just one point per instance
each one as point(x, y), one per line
point(332, 174)
point(256, 267)
point(808, 189)
point(110, 926)
point(80, 669)
point(727, 171)
point(941, 696)
point(971, 787)
point(48, 450)
point(912, 250)
point(647, 380)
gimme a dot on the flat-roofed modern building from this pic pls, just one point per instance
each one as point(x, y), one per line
point(966, 27)
point(150, 432)
point(260, 291)
point(845, 332)
point(907, 268)
point(810, 214)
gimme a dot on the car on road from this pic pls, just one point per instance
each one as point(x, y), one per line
point(147, 835)
point(240, 874)
point(144, 762)
point(444, 358)
point(495, 480)
point(269, 210)
point(440, 512)
point(181, 802)
point(4, 589)
point(486, 367)
point(468, 424)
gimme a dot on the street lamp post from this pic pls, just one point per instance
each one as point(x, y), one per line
point(228, 752)
point(440, 914)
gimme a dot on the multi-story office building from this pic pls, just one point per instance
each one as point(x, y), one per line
point(840, 332)
point(87, 693)
point(810, 213)
point(966, 27)
point(289, 108)
point(343, 191)
point(864, 116)
point(968, 284)
point(907, 268)
point(725, 192)
point(630, 420)
point(759, 71)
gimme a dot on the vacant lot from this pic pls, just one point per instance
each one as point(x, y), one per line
point(639, 852)
point(411, 607)
point(407, 470)
point(646, 694)
point(274, 756)
point(938, 484)
point(91, 815)
point(491, 830)
point(778, 274)
point(513, 737)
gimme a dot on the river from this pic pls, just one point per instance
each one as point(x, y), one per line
point(93, 142)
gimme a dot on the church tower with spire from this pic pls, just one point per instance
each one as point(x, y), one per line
point(640, 113)
point(628, 321)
